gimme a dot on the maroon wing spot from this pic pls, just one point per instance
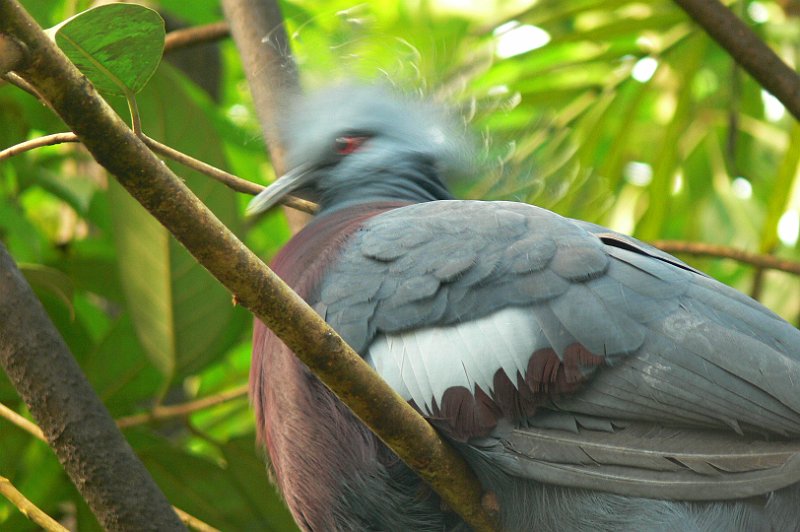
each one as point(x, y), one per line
point(487, 411)
point(549, 374)
point(515, 402)
point(543, 369)
point(577, 357)
point(528, 398)
point(463, 415)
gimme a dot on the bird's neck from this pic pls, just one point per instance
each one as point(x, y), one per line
point(409, 183)
point(297, 416)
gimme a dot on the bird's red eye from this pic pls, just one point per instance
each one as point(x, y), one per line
point(347, 145)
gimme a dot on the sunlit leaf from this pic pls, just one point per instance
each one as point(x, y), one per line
point(20, 236)
point(117, 46)
point(780, 196)
point(666, 160)
point(76, 192)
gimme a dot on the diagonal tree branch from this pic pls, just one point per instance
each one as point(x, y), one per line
point(77, 426)
point(747, 49)
point(256, 287)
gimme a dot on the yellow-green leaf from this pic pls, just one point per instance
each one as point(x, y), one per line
point(117, 46)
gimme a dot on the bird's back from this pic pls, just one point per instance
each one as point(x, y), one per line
point(592, 381)
point(512, 328)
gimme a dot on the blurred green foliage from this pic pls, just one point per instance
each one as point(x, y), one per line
point(625, 115)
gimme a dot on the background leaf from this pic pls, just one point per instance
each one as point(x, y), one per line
point(43, 278)
point(184, 318)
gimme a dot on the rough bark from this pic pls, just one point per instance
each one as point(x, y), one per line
point(77, 426)
point(747, 49)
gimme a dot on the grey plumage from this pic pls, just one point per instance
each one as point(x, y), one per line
point(592, 381)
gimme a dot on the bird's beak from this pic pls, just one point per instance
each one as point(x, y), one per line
point(267, 198)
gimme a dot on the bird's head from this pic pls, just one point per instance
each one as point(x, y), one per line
point(352, 144)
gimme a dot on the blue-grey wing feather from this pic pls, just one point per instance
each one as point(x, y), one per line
point(440, 263)
point(446, 294)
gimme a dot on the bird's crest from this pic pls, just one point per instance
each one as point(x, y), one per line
point(412, 122)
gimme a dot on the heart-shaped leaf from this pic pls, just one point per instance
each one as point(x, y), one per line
point(117, 46)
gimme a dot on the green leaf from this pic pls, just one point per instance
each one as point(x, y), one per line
point(785, 179)
point(667, 160)
point(235, 495)
point(145, 270)
point(121, 374)
point(43, 278)
point(117, 46)
point(19, 234)
point(183, 317)
point(76, 192)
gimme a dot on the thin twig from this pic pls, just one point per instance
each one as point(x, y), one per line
point(22, 422)
point(186, 37)
point(747, 49)
point(193, 522)
point(28, 509)
point(47, 140)
point(183, 409)
point(231, 181)
point(726, 252)
point(14, 79)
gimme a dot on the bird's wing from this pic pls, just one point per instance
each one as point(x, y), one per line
point(646, 460)
point(483, 313)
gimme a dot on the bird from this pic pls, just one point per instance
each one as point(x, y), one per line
point(590, 380)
